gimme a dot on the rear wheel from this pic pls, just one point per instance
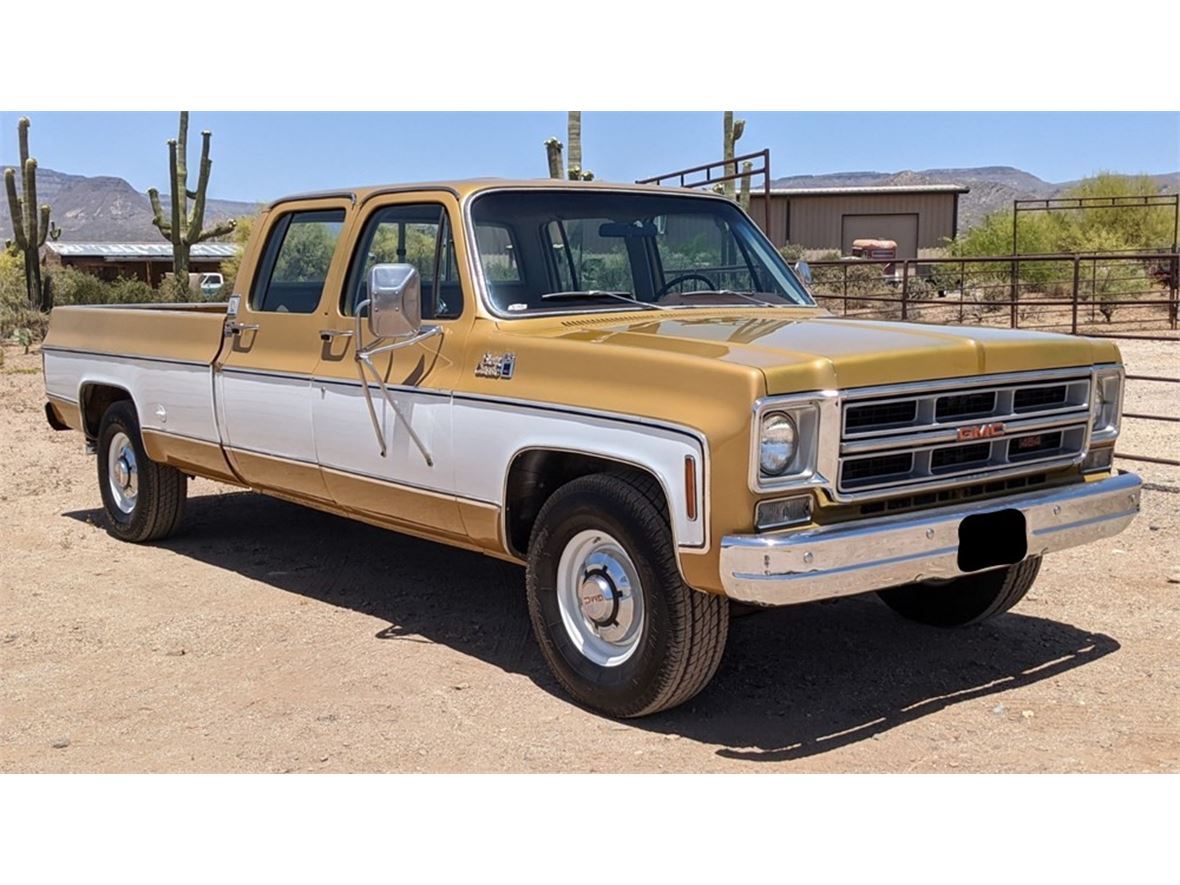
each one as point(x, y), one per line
point(617, 625)
point(965, 600)
point(144, 500)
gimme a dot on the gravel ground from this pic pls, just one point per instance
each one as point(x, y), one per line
point(269, 637)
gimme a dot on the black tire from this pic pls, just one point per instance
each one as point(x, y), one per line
point(683, 630)
point(964, 600)
point(159, 500)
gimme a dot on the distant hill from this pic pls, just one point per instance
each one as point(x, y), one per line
point(105, 209)
point(992, 187)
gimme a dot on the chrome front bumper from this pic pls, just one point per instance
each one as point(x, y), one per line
point(781, 568)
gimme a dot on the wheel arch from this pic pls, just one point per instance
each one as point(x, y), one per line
point(94, 398)
point(536, 472)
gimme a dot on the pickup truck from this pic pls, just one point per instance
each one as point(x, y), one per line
point(625, 389)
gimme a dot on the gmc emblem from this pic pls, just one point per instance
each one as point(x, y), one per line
point(981, 431)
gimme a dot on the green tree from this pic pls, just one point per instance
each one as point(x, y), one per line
point(241, 236)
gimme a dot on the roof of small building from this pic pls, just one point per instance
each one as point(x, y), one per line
point(139, 251)
point(873, 189)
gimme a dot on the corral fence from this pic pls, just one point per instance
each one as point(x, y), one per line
point(1110, 295)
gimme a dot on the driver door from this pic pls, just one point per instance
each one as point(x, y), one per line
point(412, 483)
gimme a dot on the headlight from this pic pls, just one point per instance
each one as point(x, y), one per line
point(779, 441)
point(784, 443)
point(1106, 404)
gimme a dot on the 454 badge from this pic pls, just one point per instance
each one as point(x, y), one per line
point(496, 365)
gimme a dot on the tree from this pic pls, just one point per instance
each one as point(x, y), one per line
point(186, 229)
point(230, 267)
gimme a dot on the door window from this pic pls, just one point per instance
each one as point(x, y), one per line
point(296, 261)
point(420, 235)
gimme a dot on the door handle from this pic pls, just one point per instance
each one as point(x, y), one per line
point(239, 328)
point(329, 334)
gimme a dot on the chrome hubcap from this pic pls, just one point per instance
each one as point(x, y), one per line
point(600, 598)
point(122, 474)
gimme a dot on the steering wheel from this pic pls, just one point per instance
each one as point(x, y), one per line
point(682, 278)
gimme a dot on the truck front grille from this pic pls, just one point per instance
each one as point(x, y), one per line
point(914, 436)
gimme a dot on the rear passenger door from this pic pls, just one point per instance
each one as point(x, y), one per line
point(272, 344)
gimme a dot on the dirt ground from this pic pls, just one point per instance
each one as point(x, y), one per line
point(269, 637)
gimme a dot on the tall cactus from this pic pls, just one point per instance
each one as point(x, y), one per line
point(553, 149)
point(733, 132)
point(186, 229)
point(744, 194)
point(553, 153)
point(30, 226)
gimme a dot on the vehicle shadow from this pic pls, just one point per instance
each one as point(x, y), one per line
point(795, 682)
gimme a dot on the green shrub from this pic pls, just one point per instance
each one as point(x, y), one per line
point(70, 286)
point(1086, 231)
point(792, 252)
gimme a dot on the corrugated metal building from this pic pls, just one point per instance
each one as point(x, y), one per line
point(919, 218)
point(142, 261)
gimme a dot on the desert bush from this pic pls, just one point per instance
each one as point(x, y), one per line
point(72, 286)
point(1084, 231)
point(792, 252)
point(17, 320)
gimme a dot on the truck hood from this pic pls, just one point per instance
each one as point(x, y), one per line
point(824, 352)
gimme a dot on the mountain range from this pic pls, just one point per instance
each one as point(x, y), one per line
point(108, 209)
point(993, 188)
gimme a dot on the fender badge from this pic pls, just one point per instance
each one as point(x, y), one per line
point(981, 431)
point(496, 365)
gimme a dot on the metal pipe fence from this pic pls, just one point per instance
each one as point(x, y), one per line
point(1109, 295)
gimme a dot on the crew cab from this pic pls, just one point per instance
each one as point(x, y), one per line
point(623, 388)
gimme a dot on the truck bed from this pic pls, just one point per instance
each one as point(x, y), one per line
point(189, 332)
point(159, 356)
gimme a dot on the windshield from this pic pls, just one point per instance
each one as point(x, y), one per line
point(555, 250)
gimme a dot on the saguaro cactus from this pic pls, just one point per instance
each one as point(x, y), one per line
point(186, 229)
point(553, 152)
point(733, 132)
point(30, 226)
point(744, 194)
point(553, 149)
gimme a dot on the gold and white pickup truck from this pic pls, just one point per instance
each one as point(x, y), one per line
point(624, 388)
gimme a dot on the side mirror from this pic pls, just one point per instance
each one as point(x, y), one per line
point(395, 300)
point(803, 270)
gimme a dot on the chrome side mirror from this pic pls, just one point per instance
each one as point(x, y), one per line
point(803, 271)
point(395, 300)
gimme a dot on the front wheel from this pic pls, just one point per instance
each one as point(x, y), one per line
point(617, 625)
point(144, 500)
point(965, 600)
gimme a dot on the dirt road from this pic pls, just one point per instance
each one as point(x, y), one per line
point(268, 637)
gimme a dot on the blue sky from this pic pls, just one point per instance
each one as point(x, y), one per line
point(259, 156)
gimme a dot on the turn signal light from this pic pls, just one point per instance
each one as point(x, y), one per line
point(782, 512)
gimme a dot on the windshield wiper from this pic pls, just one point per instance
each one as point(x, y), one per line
point(744, 295)
point(601, 293)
